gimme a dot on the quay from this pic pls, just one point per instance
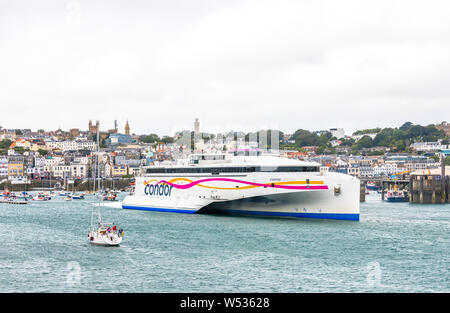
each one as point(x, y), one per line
point(425, 187)
point(14, 202)
point(431, 187)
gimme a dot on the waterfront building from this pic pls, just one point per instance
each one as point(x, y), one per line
point(33, 172)
point(119, 170)
point(62, 171)
point(134, 170)
point(108, 169)
point(16, 165)
point(354, 171)
point(387, 169)
point(3, 166)
point(366, 171)
point(78, 170)
point(39, 164)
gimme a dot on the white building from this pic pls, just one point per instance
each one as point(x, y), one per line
point(39, 164)
point(62, 171)
point(71, 145)
point(78, 170)
point(358, 137)
point(366, 171)
point(428, 146)
point(337, 132)
point(3, 166)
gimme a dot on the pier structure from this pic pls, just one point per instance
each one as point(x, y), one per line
point(430, 186)
point(425, 187)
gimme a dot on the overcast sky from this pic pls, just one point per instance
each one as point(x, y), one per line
point(242, 65)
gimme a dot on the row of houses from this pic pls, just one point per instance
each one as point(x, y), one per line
point(374, 166)
point(73, 164)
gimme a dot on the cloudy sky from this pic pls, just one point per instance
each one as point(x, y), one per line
point(247, 65)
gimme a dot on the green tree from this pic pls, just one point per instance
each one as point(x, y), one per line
point(43, 152)
point(167, 139)
point(5, 143)
point(151, 138)
point(304, 137)
point(364, 142)
point(19, 150)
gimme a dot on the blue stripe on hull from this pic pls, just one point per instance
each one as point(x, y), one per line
point(397, 199)
point(158, 209)
point(334, 216)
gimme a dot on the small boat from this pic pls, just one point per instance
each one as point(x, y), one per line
point(12, 198)
point(77, 197)
point(372, 186)
point(103, 234)
point(395, 195)
point(41, 197)
point(109, 196)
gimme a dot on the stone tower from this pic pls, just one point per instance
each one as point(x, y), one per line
point(196, 126)
point(93, 129)
point(127, 128)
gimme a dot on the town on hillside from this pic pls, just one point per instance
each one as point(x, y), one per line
point(27, 155)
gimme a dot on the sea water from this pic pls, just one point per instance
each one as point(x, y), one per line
point(395, 247)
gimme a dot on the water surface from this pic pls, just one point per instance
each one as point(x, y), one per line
point(395, 247)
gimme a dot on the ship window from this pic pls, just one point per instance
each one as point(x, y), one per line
point(234, 169)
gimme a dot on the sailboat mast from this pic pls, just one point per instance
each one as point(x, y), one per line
point(98, 173)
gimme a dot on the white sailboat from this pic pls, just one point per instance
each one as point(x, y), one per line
point(103, 234)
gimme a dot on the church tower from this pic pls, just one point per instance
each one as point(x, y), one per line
point(127, 128)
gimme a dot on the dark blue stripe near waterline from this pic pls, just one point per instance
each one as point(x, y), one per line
point(157, 209)
point(334, 216)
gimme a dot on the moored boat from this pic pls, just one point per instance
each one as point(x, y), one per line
point(396, 195)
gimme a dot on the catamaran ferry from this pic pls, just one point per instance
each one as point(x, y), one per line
point(249, 183)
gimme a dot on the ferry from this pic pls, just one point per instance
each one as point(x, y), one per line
point(249, 183)
point(397, 195)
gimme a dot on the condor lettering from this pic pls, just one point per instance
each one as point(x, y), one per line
point(158, 190)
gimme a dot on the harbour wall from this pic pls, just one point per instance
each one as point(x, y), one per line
point(426, 189)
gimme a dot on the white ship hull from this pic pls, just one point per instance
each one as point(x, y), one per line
point(305, 195)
